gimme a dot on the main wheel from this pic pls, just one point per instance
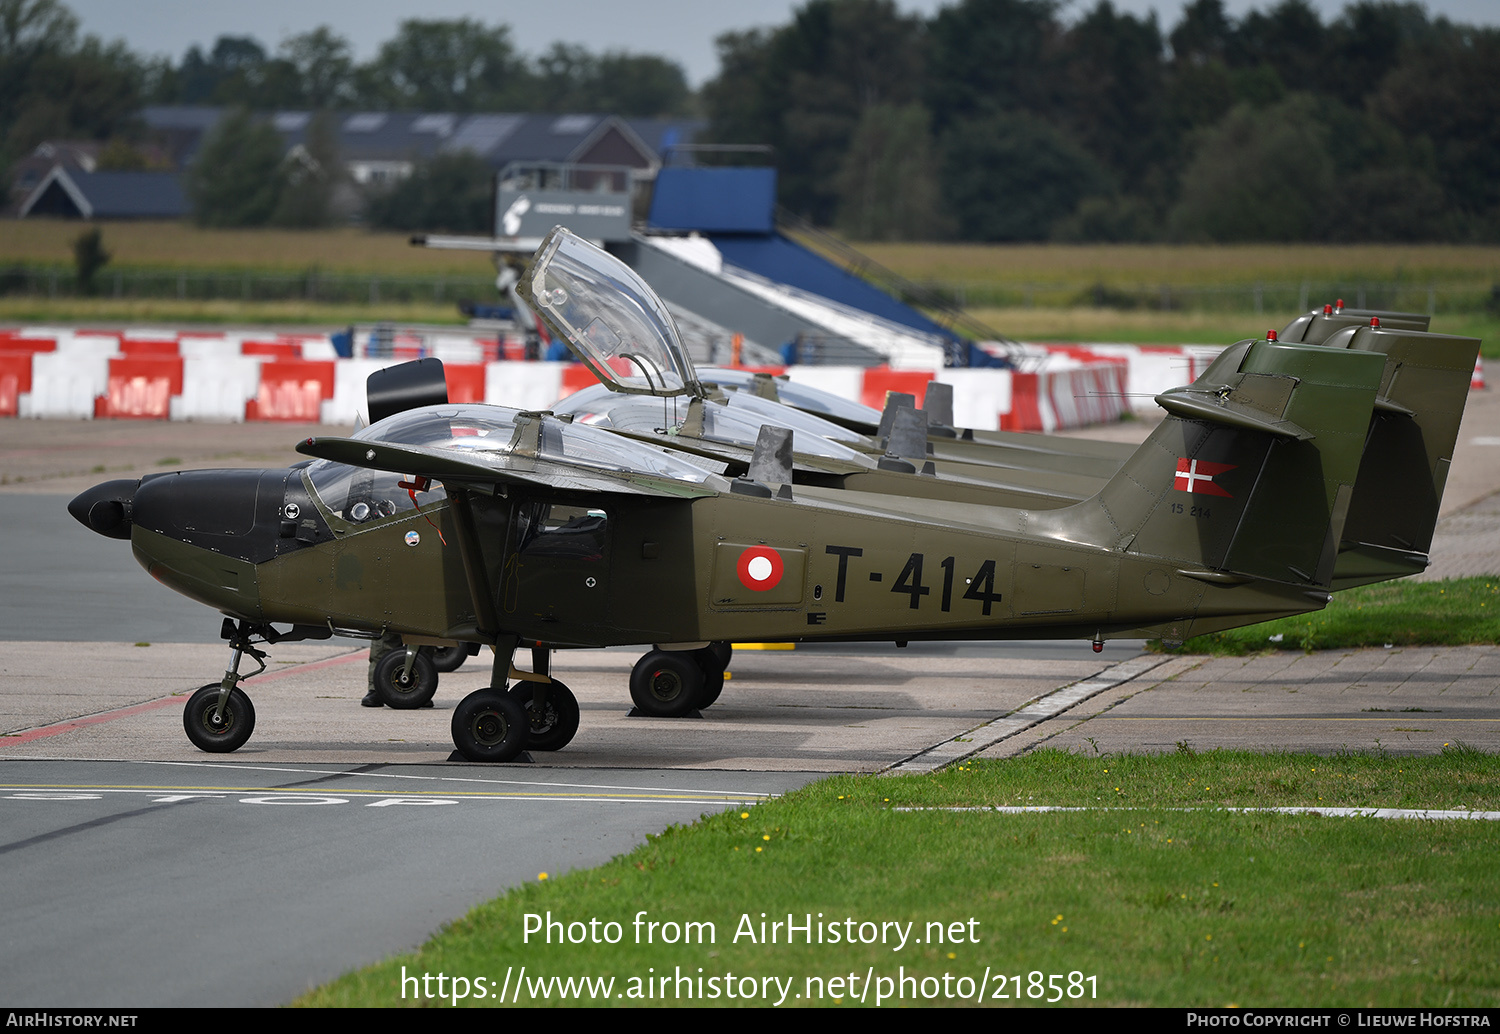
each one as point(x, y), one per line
point(449, 658)
point(722, 649)
point(399, 690)
point(710, 660)
point(227, 732)
point(489, 726)
point(555, 723)
point(666, 685)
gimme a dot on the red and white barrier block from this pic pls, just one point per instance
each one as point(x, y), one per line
point(162, 375)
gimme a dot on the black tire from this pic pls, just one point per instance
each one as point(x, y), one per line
point(713, 673)
point(232, 729)
point(489, 726)
point(449, 658)
point(395, 689)
point(723, 650)
point(554, 725)
point(666, 685)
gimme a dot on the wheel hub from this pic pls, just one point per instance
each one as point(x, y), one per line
point(665, 685)
point(490, 728)
point(542, 718)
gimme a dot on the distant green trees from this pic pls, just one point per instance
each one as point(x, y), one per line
point(89, 257)
point(55, 85)
point(455, 65)
point(236, 179)
point(452, 193)
point(806, 87)
point(243, 175)
point(1381, 124)
point(989, 120)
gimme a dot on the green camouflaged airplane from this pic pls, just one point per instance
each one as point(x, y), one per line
point(449, 524)
point(1393, 511)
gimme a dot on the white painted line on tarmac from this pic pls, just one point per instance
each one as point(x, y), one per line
point(373, 799)
point(220, 766)
point(1039, 710)
point(1352, 813)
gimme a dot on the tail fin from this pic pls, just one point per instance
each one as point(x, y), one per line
point(1405, 466)
point(1250, 476)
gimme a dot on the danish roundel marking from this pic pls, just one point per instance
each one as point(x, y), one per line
point(760, 568)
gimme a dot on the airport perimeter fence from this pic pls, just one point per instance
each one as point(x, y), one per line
point(183, 285)
point(1430, 297)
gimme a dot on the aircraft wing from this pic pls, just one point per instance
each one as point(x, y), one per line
point(500, 468)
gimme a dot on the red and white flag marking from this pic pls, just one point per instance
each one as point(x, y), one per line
point(1198, 476)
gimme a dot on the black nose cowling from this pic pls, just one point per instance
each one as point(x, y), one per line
point(107, 508)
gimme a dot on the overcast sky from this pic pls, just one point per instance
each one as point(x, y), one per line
point(683, 30)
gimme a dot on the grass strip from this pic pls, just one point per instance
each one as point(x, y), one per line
point(220, 312)
point(1452, 612)
point(1148, 906)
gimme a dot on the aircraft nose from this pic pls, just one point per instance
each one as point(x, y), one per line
point(107, 508)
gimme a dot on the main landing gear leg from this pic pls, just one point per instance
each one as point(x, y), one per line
point(551, 707)
point(487, 724)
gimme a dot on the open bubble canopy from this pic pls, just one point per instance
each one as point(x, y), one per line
point(611, 319)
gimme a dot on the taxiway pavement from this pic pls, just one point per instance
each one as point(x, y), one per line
point(143, 872)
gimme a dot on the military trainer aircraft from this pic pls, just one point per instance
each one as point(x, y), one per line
point(451, 524)
point(1393, 510)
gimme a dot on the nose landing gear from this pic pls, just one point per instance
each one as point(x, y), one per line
point(219, 717)
point(216, 725)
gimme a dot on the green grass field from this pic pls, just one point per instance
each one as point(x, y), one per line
point(173, 245)
point(1452, 612)
point(1036, 292)
point(222, 312)
point(1155, 895)
point(356, 250)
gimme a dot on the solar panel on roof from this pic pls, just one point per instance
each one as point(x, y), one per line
point(365, 122)
point(442, 125)
point(482, 133)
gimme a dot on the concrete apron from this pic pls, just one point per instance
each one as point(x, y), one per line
point(780, 710)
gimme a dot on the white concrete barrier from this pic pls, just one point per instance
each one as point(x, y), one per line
point(64, 385)
point(523, 385)
point(217, 387)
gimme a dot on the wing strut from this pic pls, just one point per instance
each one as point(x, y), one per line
point(487, 622)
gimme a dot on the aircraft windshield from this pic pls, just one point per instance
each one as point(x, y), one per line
point(814, 400)
point(608, 316)
point(785, 415)
point(596, 447)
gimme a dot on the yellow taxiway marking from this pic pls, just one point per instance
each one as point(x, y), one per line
point(764, 646)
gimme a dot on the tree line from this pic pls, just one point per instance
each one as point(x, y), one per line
point(56, 83)
point(996, 120)
point(993, 120)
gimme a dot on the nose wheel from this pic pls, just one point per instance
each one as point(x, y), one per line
point(218, 730)
point(219, 717)
point(405, 679)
